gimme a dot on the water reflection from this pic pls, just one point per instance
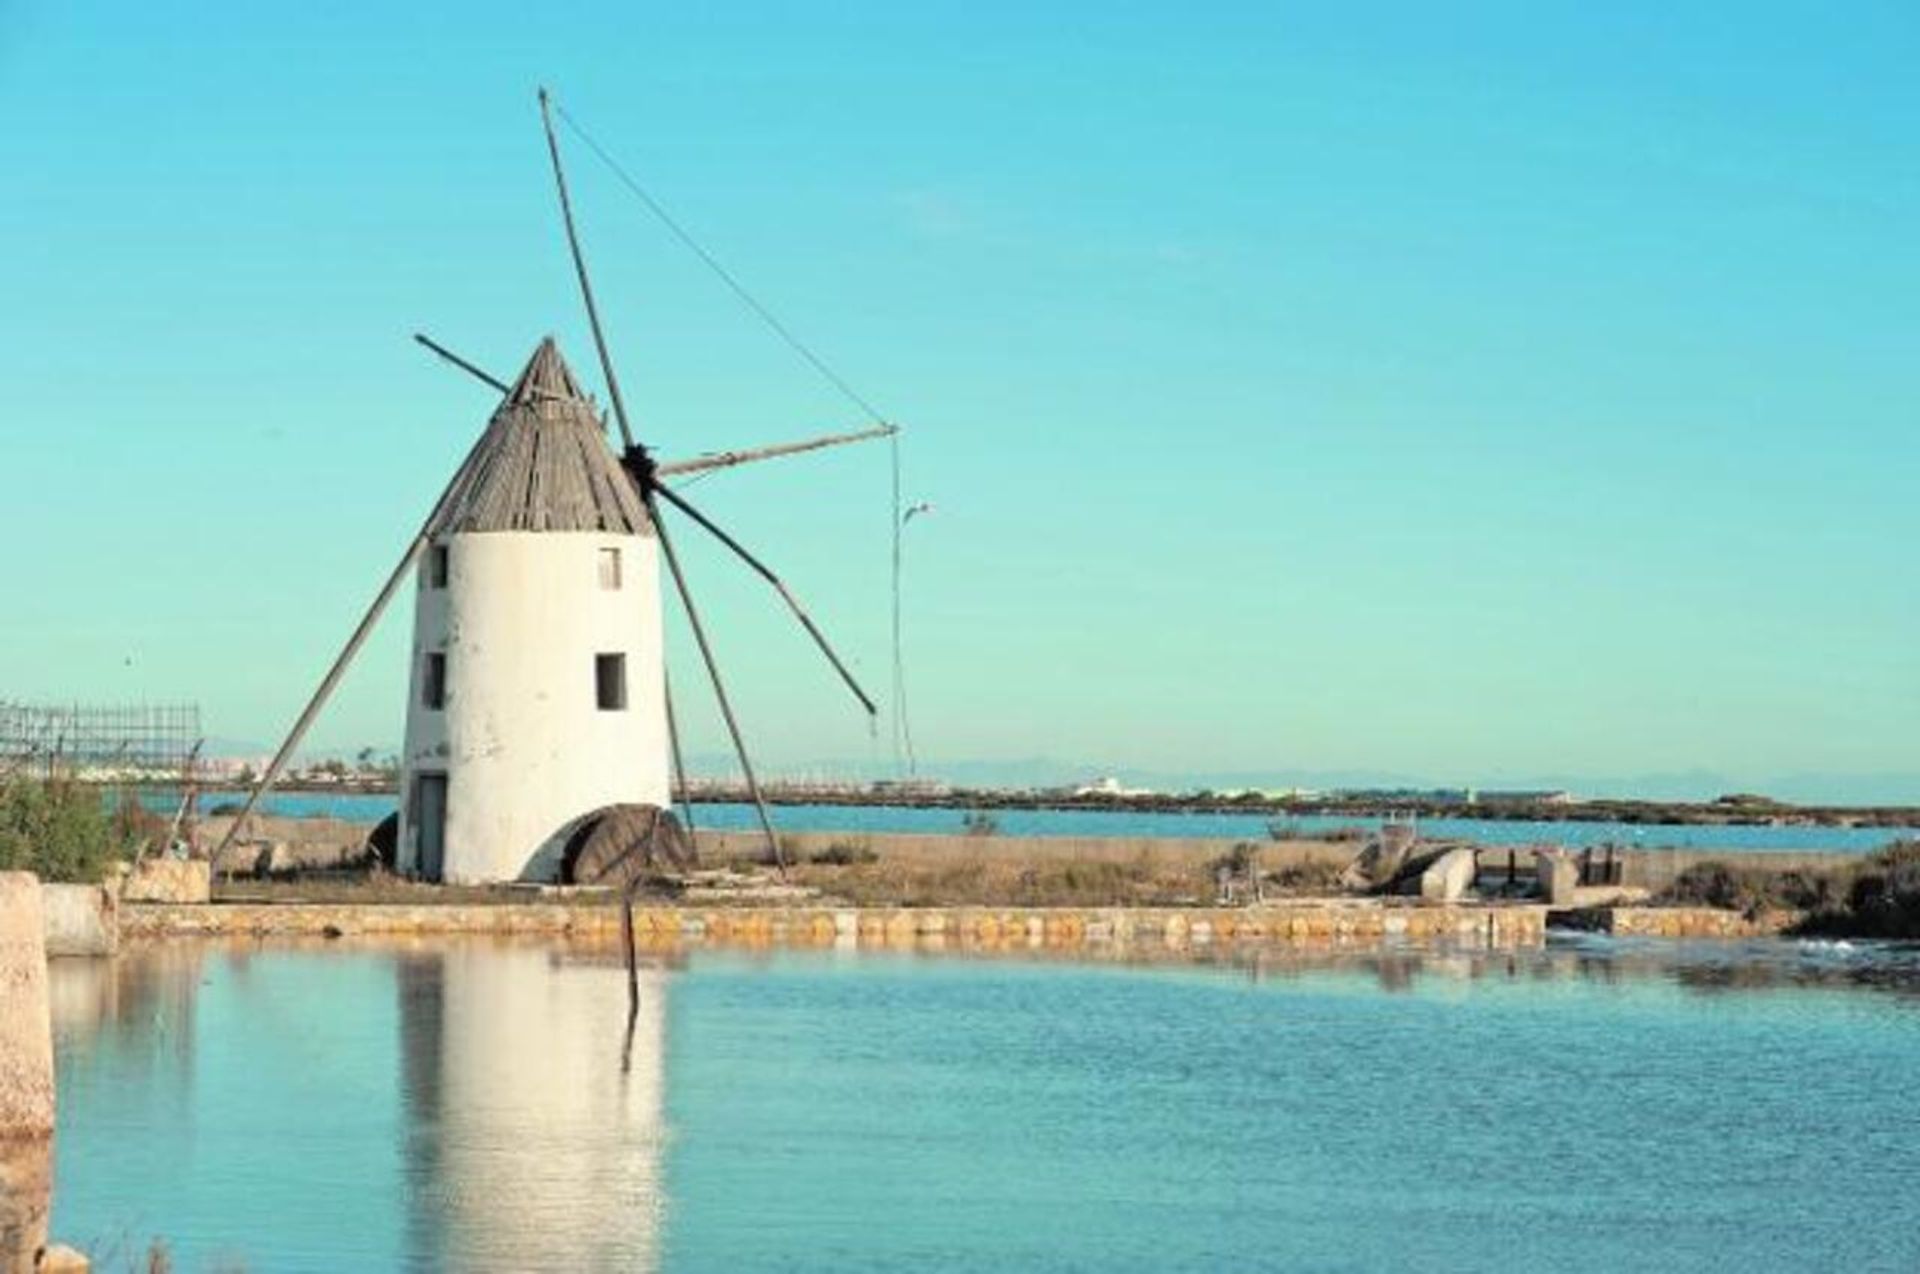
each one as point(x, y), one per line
point(1706, 966)
point(476, 1089)
point(469, 1097)
point(521, 1126)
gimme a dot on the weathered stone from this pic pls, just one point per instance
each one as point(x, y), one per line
point(61, 1259)
point(1448, 877)
point(275, 858)
point(1609, 896)
point(80, 920)
point(1687, 922)
point(171, 880)
point(26, 1030)
point(1559, 877)
point(1313, 923)
point(26, 1196)
point(1379, 863)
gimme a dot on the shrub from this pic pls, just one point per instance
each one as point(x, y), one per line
point(1885, 897)
point(842, 854)
point(1715, 884)
point(1314, 878)
point(59, 830)
point(980, 823)
point(1706, 885)
point(1239, 862)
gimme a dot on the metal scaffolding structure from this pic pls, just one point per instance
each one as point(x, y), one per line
point(120, 740)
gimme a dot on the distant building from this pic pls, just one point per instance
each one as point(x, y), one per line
point(909, 787)
point(1107, 785)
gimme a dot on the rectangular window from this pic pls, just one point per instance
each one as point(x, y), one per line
point(436, 566)
point(433, 681)
point(609, 568)
point(610, 682)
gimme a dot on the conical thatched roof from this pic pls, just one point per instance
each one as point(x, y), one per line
point(543, 464)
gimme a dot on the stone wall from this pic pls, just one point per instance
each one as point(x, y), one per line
point(1677, 922)
point(1358, 925)
point(26, 1033)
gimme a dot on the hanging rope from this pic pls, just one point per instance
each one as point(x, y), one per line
point(734, 285)
point(902, 730)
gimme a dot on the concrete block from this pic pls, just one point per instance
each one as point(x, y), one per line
point(80, 920)
point(1448, 877)
point(170, 880)
point(26, 1199)
point(26, 1030)
point(61, 1259)
point(1559, 877)
point(276, 858)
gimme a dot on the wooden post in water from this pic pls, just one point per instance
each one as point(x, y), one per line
point(633, 971)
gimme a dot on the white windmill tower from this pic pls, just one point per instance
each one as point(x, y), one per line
point(539, 727)
point(538, 693)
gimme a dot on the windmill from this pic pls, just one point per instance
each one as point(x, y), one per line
point(540, 729)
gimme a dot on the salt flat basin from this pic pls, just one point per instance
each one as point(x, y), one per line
point(475, 1104)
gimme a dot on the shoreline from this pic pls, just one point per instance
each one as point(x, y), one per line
point(1627, 812)
point(324, 842)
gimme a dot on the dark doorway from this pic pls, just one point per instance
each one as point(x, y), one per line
point(430, 823)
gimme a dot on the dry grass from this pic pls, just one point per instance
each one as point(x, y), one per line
point(375, 887)
point(1015, 873)
point(982, 880)
point(909, 871)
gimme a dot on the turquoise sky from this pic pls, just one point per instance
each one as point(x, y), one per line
point(1469, 392)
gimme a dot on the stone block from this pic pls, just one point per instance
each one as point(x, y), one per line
point(1448, 877)
point(275, 858)
point(26, 1029)
point(80, 920)
point(1559, 877)
point(183, 881)
point(61, 1259)
point(26, 1200)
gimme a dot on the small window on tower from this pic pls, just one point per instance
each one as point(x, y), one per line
point(610, 568)
point(433, 681)
point(610, 682)
point(437, 566)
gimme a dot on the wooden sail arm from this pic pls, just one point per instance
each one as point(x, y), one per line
point(728, 459)
point(698, 464)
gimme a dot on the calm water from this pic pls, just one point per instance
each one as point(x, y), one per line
point(1595, 1107)
point(873, 818)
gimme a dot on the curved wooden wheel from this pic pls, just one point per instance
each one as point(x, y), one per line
point(620, 845)
point(383, 842)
